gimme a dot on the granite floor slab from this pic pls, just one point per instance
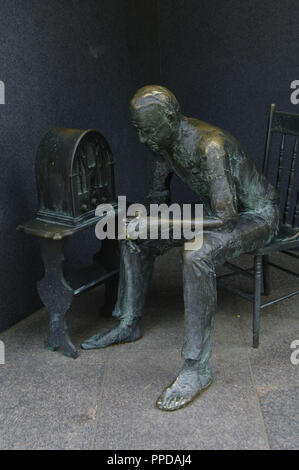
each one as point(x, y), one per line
point(105, 399)
point(226, 416)
point(47, 402)
point(280, 410)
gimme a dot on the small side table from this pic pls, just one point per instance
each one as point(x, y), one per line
point(57, 290)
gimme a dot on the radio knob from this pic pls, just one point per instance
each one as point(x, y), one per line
point(84, 207)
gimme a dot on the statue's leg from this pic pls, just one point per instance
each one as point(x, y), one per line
point(136, 267)
point(200, 296)
point(121, 286)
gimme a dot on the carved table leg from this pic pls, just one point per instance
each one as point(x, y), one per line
point(56, 295)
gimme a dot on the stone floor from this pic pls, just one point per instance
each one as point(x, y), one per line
point(106, 399)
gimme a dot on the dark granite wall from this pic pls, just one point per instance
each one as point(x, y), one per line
point(226, 61)
point(76, 63)
point(65, 63)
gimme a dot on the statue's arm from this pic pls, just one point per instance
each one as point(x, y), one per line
point(160, 179)
point(222, 189)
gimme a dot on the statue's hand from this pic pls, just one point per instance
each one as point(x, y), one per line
point(229, 225)
point(216, 223)
point(157, 197)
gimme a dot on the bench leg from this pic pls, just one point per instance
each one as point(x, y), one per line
point(258, 261)
point(266, 275)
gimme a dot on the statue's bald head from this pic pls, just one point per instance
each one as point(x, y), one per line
point(155, 95)
point(156, 114)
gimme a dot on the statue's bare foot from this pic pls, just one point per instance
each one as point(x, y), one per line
point(185, 388)
point(118, 334)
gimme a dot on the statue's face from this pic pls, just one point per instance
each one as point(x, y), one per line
point(154, 127)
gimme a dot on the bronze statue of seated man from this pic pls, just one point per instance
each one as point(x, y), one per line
point(243, 216)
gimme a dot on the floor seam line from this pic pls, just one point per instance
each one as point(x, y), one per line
point(258, 402)
point(99, 403)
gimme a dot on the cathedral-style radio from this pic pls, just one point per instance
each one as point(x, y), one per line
point(74, 174)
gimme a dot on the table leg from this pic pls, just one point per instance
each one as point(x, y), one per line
point(56, 295)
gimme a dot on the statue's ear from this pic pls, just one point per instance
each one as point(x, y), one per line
point(171, 116)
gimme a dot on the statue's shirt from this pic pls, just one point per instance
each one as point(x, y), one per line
point(217, 169)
